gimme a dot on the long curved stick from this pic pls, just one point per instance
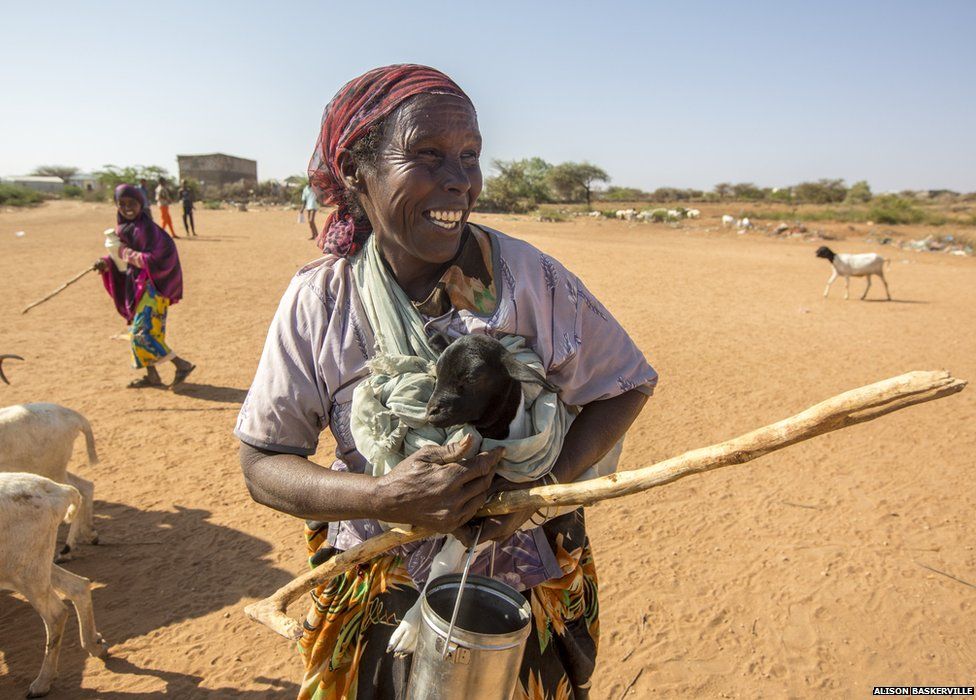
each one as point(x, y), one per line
point(57, 291)
point(852, 407)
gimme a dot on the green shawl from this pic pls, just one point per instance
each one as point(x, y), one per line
point(389, 407)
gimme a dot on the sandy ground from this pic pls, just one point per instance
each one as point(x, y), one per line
point(803, 572)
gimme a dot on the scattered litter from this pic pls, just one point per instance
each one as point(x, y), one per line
point(942, 244)
point(20, 234)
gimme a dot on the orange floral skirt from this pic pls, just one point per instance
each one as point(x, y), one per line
point(352, 617)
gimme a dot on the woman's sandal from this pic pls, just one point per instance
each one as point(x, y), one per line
point(143, 383)
point(181, 375)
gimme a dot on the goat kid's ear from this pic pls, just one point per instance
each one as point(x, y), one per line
point(523, 373)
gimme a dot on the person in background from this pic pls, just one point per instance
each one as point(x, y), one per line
point(143, 292)
point(186, 198)
point(145, 193)
point(163, 200)
point(310, 204)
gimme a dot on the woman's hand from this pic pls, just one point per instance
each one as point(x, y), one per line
point(500, 527)
point(101, 265)
point(438, 487)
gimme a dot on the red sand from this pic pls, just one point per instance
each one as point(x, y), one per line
point(801, 572)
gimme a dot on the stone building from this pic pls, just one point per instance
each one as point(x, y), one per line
point(218, 169)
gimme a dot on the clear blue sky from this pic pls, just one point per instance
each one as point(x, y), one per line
point(678, 93)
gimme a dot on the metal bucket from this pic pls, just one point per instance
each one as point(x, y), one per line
point(486, 646)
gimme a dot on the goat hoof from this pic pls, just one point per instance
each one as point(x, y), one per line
point(99, 648)
point(403, 641)
point(64, 555)
point(94, 538)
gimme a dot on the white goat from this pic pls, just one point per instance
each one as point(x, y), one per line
point(39, 438)
point(849, 265)
point(626, 214)
point(595, 215)
point(693, 214)
point(728, 220)
point(31, 508)
point(743, 223)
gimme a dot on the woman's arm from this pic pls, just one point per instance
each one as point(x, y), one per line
point(435, 487)
point(596, 429)
point(132, 257)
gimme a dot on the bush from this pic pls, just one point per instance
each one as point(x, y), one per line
point(891, 209)
point(72, 192)
point(860, 193)
point(823, 191)
point(213, 204)
point(111, 175)
point(19, 196)
point(623, 194)
point(551, 214)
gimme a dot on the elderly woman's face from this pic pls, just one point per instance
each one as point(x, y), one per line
point(426, 181)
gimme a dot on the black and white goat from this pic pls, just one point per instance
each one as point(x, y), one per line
point(479, 382)
point(849, 265)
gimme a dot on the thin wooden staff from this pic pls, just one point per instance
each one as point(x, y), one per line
point(852, 407)
point(58, 290)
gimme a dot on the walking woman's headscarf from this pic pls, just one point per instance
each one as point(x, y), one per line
point(359, 106)
point(162, 269)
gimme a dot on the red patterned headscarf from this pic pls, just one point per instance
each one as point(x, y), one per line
point(352, 113)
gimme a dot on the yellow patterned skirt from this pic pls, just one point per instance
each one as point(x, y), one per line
point(147, 334)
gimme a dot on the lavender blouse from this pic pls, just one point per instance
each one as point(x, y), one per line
point(319, 342)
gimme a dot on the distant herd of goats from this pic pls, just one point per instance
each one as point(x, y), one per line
point(844, 265)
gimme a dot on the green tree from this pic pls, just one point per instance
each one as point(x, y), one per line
point(624, 194)
point(669, 194)
point(723, 190)
point(112, 175)
point(519, 186)
point(574, 181)
point(859, 193)
point(747, 191)
point(824, 191)
point(61, 171)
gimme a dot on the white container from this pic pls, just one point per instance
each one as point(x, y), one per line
point(112, 243)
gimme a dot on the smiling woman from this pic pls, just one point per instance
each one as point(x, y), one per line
point(398, 156)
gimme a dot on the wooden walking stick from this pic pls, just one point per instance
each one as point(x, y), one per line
point(852, 407)
point(58, 290)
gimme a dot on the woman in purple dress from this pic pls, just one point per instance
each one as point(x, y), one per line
point(145, 283)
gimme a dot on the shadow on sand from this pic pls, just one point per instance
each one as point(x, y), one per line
point(156, 569)
point(895, 301)
point(208, 392)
